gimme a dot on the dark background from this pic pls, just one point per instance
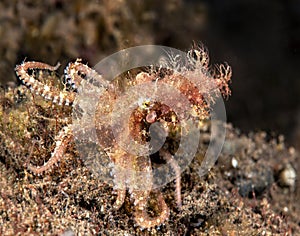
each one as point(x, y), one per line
point(259, 39)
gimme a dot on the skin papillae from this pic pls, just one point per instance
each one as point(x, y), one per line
point(212, 82)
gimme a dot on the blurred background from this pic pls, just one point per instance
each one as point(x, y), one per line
point(259, 39)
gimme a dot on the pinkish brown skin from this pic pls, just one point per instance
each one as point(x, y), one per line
point(62, 141)
point(151, 117)
point(220, 79)
point(65, 136)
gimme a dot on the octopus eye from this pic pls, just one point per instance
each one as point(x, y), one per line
point(151, 117)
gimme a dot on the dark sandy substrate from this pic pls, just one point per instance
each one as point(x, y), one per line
point(250, 191)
